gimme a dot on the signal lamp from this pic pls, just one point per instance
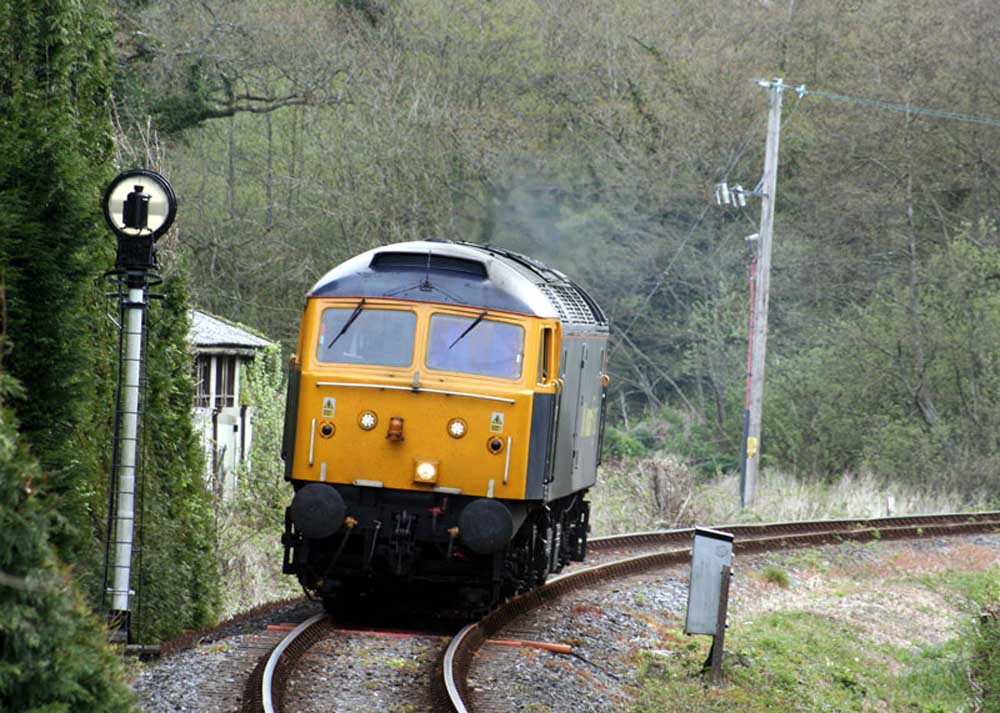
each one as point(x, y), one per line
point(494, 445)
point(140, 203)
point(367, 420)
point(457, 428)
point(426, 471)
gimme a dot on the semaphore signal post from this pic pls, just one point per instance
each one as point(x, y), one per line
point(139, 207)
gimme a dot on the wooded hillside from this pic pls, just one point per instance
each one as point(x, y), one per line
point(590, 135)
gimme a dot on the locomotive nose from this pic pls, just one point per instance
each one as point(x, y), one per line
point(485, 526)
point(318, 510)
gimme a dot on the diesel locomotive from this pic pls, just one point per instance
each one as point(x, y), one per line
point(443, 424)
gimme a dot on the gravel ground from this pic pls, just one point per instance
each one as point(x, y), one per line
point(209, 677)
point(869, 585)
point(366, 673)
point(606, 627)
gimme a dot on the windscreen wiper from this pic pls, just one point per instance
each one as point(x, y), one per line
point(350, 321)
point(468, 329)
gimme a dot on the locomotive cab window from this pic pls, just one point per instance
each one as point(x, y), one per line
point(355, 335)
point(545, 356)
point(475, 345)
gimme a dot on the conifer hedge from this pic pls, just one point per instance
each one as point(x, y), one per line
point(55, 78)
point(52, 651)
point(56, 73)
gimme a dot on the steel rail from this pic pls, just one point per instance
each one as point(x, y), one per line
point(266, 686)
point(756, 538)
point(451, 685)
point(661, 537)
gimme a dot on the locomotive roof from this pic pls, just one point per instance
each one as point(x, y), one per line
point(466, 274)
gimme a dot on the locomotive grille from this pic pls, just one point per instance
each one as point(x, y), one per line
point(571, 305)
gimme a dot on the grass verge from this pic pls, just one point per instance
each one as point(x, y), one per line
point(807, 661)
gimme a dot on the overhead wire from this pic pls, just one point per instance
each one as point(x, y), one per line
point(910, 109)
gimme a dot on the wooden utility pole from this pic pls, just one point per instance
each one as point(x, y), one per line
point(758, 334)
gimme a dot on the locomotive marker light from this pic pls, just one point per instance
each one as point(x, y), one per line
point(139, 207)
point(367, 420)
point(456, 428)
point(708, 591)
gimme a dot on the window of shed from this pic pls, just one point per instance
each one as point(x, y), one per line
point(225, 381)
point(383, 337)
point(202, 381)
point(490, 348)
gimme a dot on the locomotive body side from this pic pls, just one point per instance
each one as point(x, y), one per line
point(439, 431)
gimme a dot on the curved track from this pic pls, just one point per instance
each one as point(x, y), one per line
point(266, 686)
point(281, 678)
point(749, 538)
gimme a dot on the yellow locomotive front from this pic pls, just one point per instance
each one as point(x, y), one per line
point(416, 397)
point(419, 431)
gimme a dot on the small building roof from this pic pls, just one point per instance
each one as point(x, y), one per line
point(214, 335)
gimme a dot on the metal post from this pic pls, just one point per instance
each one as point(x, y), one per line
point(752, 244)
point(719, 640)
point(128, 440)
point(139, 207)
point(751, 442)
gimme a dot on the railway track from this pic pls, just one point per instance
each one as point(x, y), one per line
point(454, 693)
point(617, 558)
point(396, 667)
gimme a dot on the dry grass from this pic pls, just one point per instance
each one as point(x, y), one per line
point(781, 496)
point(658, 492)
point(641, 494)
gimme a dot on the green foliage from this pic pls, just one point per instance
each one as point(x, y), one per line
point(777, 575)
point(816, 661)
point(176, 112)
point(55, 111)
point(855, 402)
point(179, 578)
point(671, 431)
point(250, 524)
point(619, 443)
point(985, 658)
point(56, 146)
point(53, 655)
point(975, 656)
point(572, 132)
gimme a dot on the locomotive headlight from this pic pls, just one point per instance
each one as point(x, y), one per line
point(426, 471)
point(367, 420)
point(456, 428)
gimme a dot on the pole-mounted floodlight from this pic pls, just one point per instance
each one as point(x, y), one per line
point(139, 206)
